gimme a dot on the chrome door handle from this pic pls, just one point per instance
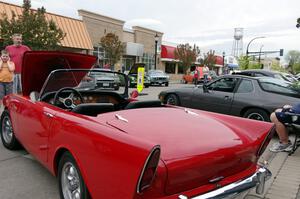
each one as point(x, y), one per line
point(48, 114)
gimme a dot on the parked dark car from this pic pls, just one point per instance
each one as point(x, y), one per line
point(250, 97)
point(264, 73)
point(132, 76)
point(158, 77)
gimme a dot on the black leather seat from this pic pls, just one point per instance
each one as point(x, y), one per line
point(93, 109)
point(144, 104)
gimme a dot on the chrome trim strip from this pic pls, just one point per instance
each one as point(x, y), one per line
point(256, 180)
point(144, 167)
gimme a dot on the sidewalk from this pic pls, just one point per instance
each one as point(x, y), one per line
point(285, 180)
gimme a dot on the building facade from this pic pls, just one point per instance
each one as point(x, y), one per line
point(139, 42)
point(77, 38)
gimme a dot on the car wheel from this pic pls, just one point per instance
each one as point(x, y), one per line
point(70, 182)
point(7, 133)
point(146, 86)
point(172, 99)
point(167, 84)
point(257, 114)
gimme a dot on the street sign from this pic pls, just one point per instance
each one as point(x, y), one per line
point(140, 79)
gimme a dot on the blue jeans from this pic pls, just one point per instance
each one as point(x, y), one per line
point(6, 88)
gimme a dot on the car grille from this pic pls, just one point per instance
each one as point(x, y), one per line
point(160, 78)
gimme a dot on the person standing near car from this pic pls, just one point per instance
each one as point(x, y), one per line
point(7, 69)
point(205, 73)
point(196, 76)
point(16, 52)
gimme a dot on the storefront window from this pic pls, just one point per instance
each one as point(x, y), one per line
point(102, 60)
point(170, 67)
point(180, 69)
point(148, 60)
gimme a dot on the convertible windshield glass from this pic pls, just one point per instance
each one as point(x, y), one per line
point(279, 86)
point(96, 80)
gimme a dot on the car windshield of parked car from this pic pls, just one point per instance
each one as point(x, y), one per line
point(156, 72)
point(95, 80)
point(279, 86)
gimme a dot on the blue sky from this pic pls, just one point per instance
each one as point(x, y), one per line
point(208, 23)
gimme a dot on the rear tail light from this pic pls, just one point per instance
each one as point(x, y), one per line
point(149, 170)
point(266, 142)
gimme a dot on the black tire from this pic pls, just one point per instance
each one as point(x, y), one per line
point(65, 163)
point(167, 84)
point(257, 114)
point(7, 133)
point(172, 99)
point(147, 86)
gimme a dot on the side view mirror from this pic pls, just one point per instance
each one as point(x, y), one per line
point(134, 94)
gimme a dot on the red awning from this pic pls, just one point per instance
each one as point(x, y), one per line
point(167, 52)
point(219, 60)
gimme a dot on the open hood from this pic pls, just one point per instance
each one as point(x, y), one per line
point(134, 68)
point(37, 65)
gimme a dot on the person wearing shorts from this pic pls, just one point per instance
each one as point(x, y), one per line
point(7, 68)
point(280, 117)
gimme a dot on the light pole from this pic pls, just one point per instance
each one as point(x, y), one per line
point(260, 53)
point(156, 37)
point(247, 52)
point(224, 62)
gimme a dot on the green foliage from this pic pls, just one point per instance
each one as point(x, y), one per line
point(293, 59)
point(37, 32)
point(113, 47)
point(246, 62)
point(187, 55)
point(209, 59)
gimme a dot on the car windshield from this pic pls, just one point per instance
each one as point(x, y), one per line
point(156, 72)
point(96, 80)
point(280, 86)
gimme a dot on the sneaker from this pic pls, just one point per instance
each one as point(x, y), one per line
point(276, 144)
point(279, 147)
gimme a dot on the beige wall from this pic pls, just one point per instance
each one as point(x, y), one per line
point(99, 25)
point(128, 36)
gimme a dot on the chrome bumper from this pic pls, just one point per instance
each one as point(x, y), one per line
point(256, 180)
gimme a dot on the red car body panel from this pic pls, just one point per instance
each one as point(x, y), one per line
point(196, 146)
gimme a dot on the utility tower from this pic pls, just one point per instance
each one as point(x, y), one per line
point(237, 46)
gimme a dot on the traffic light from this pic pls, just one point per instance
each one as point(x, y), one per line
point(281, 52)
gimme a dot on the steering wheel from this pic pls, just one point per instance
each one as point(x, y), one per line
point(68, 102)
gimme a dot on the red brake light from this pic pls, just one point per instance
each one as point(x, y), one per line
point(149, 170)
point(266, 142)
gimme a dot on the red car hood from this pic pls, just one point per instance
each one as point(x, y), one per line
point(37, 65)
point(196, 146)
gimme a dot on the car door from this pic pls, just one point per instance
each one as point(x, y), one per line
point(34, 120)
point(219, 96)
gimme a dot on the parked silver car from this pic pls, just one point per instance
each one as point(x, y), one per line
point(158, 77)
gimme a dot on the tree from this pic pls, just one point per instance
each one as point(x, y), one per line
point(113, 47)
point(37, 32)
point(209, 59)
point(293, 59)
point(246, 62)
point(187, 55)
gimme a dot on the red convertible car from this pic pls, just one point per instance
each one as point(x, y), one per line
point(104, 144)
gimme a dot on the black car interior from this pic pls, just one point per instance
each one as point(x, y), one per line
point(94, 103)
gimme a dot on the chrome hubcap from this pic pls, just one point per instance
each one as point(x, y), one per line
point(7, 130)
point(70, 182)
point(256, 116)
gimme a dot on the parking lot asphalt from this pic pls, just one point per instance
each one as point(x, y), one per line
point(23, 177)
